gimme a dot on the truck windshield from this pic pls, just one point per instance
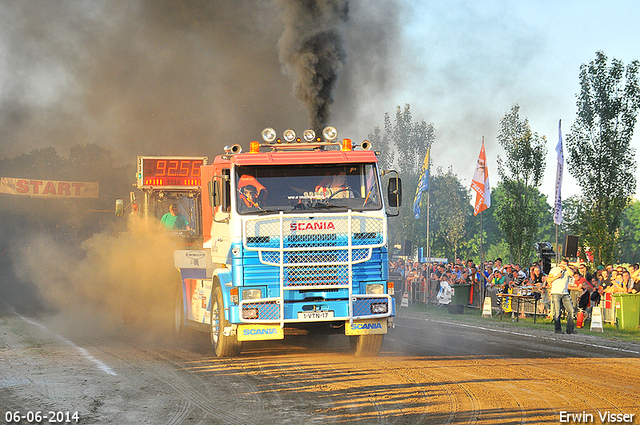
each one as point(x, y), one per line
point(264, 188)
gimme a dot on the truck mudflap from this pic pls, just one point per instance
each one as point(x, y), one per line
point(256, 332)
point(366, 327)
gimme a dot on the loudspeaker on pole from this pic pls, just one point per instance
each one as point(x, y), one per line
point(407, 247)
point(571, 246)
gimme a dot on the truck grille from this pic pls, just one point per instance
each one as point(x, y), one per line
point(316, 276)
point(314, 251)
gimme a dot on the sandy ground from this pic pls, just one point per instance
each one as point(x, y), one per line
point(430, 372)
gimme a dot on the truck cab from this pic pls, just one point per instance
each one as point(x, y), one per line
point(294, 240)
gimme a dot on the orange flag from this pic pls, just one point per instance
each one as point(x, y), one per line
point(480, 183)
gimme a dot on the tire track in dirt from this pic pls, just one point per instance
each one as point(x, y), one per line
point(215, 404)
point(30, 360)
point(578, 386)
point(400, 369)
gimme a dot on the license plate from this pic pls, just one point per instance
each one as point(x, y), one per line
point(315, 315)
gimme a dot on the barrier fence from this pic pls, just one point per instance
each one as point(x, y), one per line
point(426, 291)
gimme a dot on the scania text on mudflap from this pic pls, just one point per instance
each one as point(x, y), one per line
point(293, 241)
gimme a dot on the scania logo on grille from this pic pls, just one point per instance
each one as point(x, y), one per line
point(313, 225)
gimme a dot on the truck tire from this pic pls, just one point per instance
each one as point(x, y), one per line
point(178, 315)
point(366, 345)
point(223, 346)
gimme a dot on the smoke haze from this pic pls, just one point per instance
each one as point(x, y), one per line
point(111, 279)
point(154, 78)
point(173, 77)
point(311, 48)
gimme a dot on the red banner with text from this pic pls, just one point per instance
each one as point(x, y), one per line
point(48, 188)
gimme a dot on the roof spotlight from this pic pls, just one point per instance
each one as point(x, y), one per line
point(309, 135)
point(289, 135)
point(268, 135)
point(330, 134)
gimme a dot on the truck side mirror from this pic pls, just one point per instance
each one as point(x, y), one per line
point(215, 197)
point(394, 192)
point(226, 190)
point(220, 191)
point(119, 207)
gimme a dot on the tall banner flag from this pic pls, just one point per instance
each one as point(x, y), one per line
point(557, 209)
point(480, 183)
point(423, 185)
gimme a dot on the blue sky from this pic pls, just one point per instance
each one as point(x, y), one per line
point(472, 60)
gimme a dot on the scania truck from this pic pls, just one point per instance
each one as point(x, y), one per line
point(290, 238)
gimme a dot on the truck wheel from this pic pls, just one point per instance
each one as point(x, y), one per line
point(178, 314)
point(366, 345)
point(224, 346)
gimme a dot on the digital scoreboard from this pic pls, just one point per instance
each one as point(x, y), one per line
point(169, 171)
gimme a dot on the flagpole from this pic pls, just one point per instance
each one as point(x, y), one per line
point(481, 252)
point(557, 204)
point(557, 250)
point(429, 265)
point(481, 266)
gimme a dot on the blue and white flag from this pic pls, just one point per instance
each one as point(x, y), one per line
point(423, 185)
point(557, 208)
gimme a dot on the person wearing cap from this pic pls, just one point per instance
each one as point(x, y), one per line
point(558, 279)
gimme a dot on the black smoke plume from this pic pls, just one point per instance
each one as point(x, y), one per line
point(311, 49)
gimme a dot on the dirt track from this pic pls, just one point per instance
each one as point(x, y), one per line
point(430, 372)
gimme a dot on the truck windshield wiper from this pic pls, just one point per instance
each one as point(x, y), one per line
point(263, 211)
point(320, 206)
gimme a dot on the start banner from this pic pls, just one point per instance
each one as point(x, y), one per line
point(48, 188)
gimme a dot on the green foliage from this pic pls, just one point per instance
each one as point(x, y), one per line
point(403, 146)
point(491, 234)
point(600, 155)
point(450, 212)
point(499, 250)
point(630, 234)
point(518, 208)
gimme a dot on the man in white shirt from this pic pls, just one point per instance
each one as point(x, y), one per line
point(558, 279)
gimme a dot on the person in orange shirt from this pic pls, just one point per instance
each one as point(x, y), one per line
point(334, 186)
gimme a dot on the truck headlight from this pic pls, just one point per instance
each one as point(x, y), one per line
point(309, 135)
point(374, 289)
point(379, 308)
point(269, 135)
point(289, 135)
point(250, 313)
point(251, 294)
point(330, 134)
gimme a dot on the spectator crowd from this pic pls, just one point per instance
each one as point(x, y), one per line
point(494, 277)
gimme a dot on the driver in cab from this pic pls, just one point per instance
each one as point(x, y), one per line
point(173, 220)
point(335, 186)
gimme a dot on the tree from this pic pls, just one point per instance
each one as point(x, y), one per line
point(403, 146)
point(600, 156)
point(630, 233)
point(518, 211)
point(450, 212)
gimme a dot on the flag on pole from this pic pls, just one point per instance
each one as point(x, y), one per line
point(423, 185)
point(557, 209)
point(480, 183)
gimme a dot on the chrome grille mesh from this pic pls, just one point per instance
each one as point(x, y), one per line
point(314, 251)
